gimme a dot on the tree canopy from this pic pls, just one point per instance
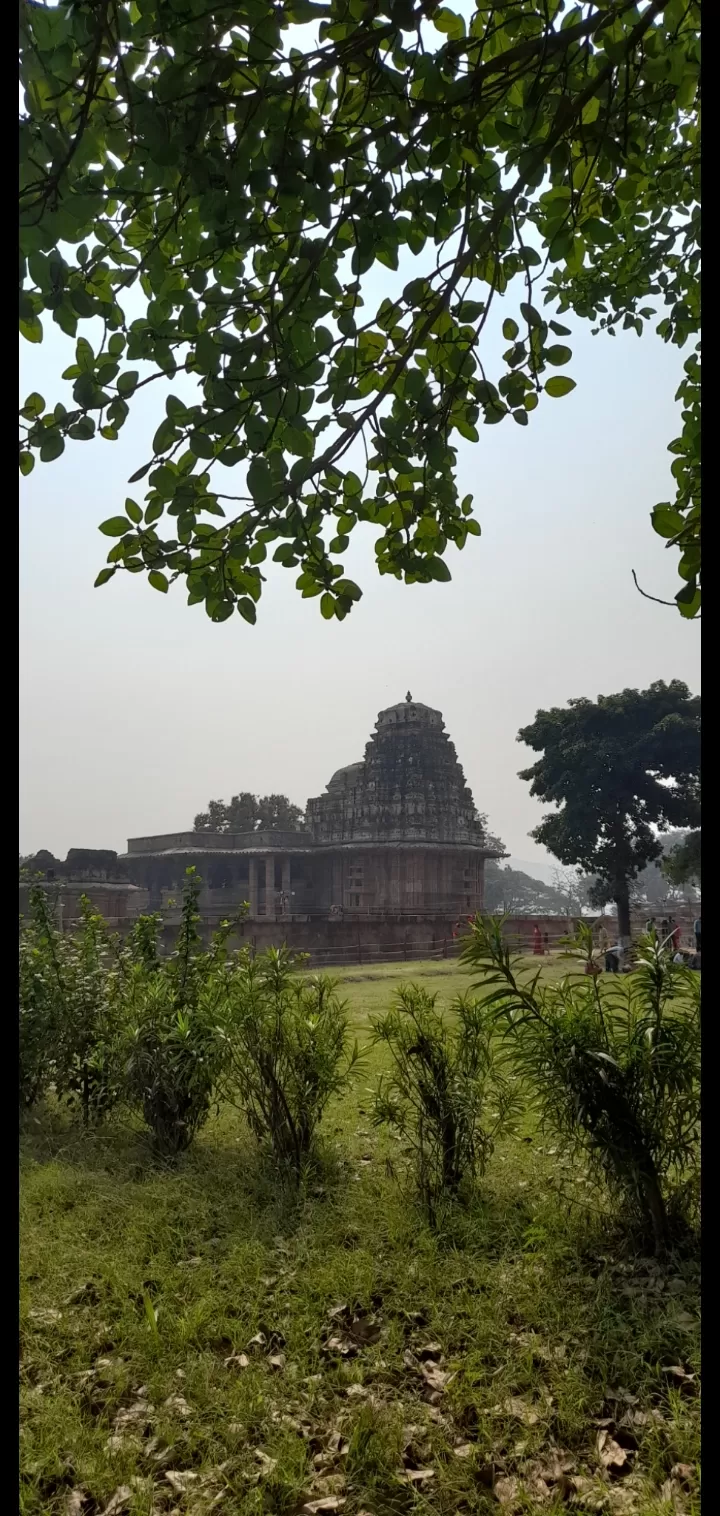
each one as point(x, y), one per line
point(509, 891)
point(682, 863)
point(206, 189)
point(250, 813)
point(618, 770)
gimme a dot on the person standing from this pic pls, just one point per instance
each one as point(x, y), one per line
point(603, 941)
point(537, 941)
point(696, 929)
point(650, 925)
point(676, 939)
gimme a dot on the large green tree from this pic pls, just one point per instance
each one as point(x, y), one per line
point(511, 892)
point(618, 769)
point(683, 863)
point(250, 813)
point(206, 188)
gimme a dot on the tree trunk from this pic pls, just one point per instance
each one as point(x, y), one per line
point(622, 902)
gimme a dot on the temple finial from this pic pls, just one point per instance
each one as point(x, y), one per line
point(408, 697)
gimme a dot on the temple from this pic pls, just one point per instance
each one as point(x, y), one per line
point(395, 835)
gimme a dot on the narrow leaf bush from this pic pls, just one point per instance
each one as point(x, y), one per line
point(174, 1049)
point(613, 1066)
point(70, 1013)
point(445, 1094)
point(289, 1052)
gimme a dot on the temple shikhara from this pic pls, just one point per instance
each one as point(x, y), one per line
point(395, 835)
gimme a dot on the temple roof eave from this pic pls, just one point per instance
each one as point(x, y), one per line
point(326, 846)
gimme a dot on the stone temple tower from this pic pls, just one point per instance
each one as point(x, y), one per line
point(394, 838)
point(410, 786)
point(408, 817)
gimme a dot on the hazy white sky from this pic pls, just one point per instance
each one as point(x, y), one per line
point(136, 709)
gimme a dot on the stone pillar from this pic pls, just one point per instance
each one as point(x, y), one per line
point(253, 888)
point(270, 888)
point(288, 905)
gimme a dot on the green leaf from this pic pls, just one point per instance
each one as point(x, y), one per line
point(327, 607)
point(127, 381)
point(52, 447)
point(158, 581)
point(530, 314)
point(27, 463)
point(31, 328)
point(103, 576)
point(557, 355)
point(34, 406)
point(688, 600)
point(260, 481)
point(667, 521)
point(133, 511)
point(470, 310)
point(510, 329)
point(115, 526)
point(559, 385)
point(140, 473)
point(247, 610)
point(446, 21)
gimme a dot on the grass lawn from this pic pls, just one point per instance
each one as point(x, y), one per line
point(196, 1339)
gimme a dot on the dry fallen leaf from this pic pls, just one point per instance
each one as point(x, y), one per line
point(507, 1491)
point(119, 1501)
point(672, 1494)
point(267, 1464)
point(181, 1480)
point(430, 1350)
point(519, 1408)
point(87, 1294)
point(684, 1472)
point(328, 1503)
point(136, 1415)
point(464, 1450)
point(237, 1361)
point(419, 1476)
point(44, 1316)
point(677, 1372)
point(277, 1361)
point(357, 1326)
point(178, 1405)
point(341, 1345)
point(258, 1341)
point(611, 1455)
point(75, 1502)
point(122, 1442)
point(436, 1378)
point(357, 1391)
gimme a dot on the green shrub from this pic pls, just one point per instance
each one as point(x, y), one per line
point(174, 1049)
point(613, 1066)
point(288, 1051)
point(38, 995)
point(70, 1016)
point(443, 1082)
